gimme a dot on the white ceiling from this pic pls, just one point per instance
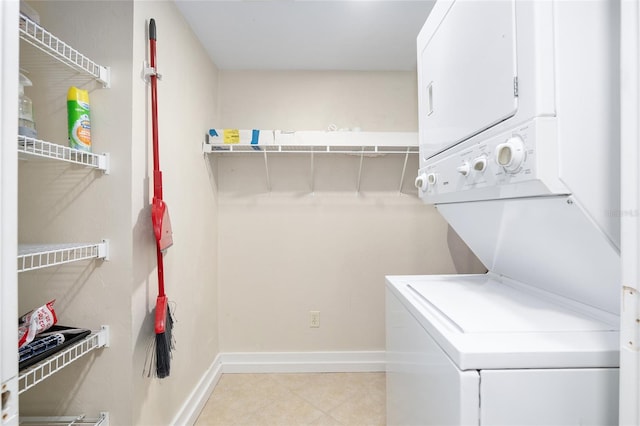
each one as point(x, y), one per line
point(308, 34)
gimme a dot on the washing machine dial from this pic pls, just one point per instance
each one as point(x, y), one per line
point(480, 164)
point(432, 178)
point(510, 154)
point(464, 169)
point(421, 182)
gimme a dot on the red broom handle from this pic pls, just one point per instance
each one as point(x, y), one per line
point(157, 174)
point(160, 272)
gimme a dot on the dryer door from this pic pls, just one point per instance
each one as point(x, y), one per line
point(466, 71)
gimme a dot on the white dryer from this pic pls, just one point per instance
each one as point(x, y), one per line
point(519, 151)
point(521, 98)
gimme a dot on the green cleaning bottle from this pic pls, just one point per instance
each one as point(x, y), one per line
point(79, 119)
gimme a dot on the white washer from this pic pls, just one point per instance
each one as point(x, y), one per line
point(486, 350)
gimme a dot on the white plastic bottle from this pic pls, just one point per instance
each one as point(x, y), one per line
point(26, 123)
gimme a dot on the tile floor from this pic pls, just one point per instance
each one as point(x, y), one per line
point(319, 399)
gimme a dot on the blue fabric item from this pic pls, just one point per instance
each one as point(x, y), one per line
point(255, 136)
point(212, 132)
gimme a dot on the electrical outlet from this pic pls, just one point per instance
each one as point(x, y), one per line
point(314, 319)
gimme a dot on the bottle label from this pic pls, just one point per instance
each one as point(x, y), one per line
point(79, 126)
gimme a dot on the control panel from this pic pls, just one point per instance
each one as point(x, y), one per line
point(493, 168)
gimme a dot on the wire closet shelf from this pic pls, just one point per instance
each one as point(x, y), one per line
point(43, 40)
point(31, 376)
point(36, 256)
point(43, 149)
point(80, 420)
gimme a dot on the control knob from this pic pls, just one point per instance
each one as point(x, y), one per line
point(480, 164)
point(421, 182)
point(510, 154)
point(464, 169)
point(424, 180)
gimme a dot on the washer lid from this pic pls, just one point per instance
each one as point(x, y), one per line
point(493, 322)
point(491, 307)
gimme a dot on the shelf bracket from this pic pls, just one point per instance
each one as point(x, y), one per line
point(103, 337)
point(313, 173)
point(104, 76)
point(103, 420)
point(404, 170)
point(206, 146)
point(360, 171)
point(266, 168)
point(103, 250)
point(104, 162)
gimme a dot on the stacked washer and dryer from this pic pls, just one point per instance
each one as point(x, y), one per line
point(519, 152)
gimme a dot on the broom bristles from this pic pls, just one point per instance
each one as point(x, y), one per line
point(164, 344)
point(164, 338)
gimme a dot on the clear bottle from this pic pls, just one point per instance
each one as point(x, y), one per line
point(26, 122)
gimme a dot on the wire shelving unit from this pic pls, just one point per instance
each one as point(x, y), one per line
point(37, 256)
point(35, 374)
point(47, 58)
point(30, 147)
point(362, 150)
point(53, 47)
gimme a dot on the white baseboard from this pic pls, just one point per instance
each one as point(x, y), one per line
point(275, 362)
point(302, 362)
point(192, 407)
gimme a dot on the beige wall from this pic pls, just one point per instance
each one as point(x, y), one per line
point(186, 106)
point(62, 203)
point(373, 101)
point(291, 250)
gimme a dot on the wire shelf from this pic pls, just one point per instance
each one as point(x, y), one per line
point(357, 150)
point(44, 149)
point(36, 256)
point(82, 419)
point(306, 149)
point(46, 42)
point(41, 371)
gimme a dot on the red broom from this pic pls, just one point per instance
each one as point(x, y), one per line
point(161, 228)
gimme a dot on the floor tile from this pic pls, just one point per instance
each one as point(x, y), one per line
point(326, 420)
point(366, 409)
point(318, 399)
point(324, 390)
point(292, 411)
